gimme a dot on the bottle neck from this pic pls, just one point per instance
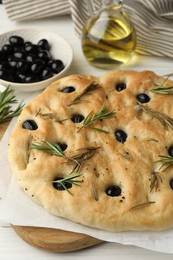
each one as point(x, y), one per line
point(117, 3)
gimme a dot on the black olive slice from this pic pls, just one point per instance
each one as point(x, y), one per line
point(59, 186)
point(77, 118)
point(68, 89)
point(143, 98)
point(121, 136)
point(30, 125)
point(170, 151)
point(120, 86)
point(113, 191)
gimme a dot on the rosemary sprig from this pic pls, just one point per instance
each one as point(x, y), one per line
point(51, 115)
point(87, 153)
point(167, 162)
point(69, 179)
point(164, 119)
point(155, 181)
point(158, 84)
point(54, 149)
point(7, 98)
point(46, 116)
point(163, 91)
point(104, 113)
point(160, 89)
point(88, 90)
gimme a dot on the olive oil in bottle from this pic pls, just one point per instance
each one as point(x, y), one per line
point(109, 38)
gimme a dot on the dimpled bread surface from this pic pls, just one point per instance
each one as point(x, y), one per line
point(122, 185)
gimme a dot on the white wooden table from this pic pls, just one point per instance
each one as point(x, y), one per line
point(11, 246)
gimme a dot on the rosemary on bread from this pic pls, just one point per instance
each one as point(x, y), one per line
point(71, 179)
point(160, 89)
point(155, 181)
point(55, 149)
point(164, 119)
point(103, 113)
point(163, 91)
point(48, 147)
point(167, 162)
point(88, 90)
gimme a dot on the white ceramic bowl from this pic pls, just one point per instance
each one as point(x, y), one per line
point(60, 49)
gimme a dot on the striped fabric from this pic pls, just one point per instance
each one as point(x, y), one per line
point(153, 19)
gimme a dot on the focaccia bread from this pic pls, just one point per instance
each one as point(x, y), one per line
point(98, 151)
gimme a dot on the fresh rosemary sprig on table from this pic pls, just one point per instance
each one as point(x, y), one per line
point(104, 113)
point(7, 98)
point(88, 90)
point(167, 162)
point(69, 179)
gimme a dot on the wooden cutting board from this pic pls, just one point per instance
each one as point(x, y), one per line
point(54, 240)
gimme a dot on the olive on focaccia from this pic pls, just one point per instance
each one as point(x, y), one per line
point(98, 150)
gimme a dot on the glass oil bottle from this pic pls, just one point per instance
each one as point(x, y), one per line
point(109, 37)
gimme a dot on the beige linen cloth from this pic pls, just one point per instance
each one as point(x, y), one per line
point(153, 19)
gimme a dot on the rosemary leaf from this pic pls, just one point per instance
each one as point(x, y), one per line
point(88, 90)
point(167, 162)
point(143, 205)
point(7, 98)
point(69, 179)
point(99, 129)
point(48, 147)
point(95, 192)
point(104, 113)
point(163, 91)
point(28, 145)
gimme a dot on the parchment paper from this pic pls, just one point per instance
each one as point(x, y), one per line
point(18, 209)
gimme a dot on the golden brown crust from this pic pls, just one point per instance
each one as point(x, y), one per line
point(145, 202)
